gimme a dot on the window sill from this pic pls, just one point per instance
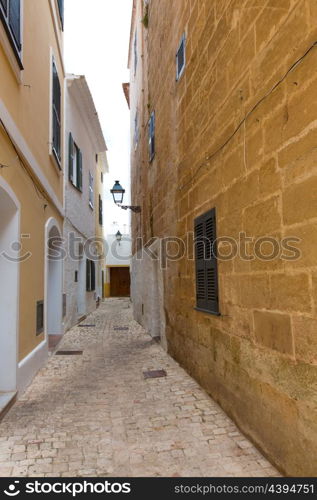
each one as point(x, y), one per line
point(76, 187)
point(207, 312)
point(56, 162)
point(179, 76)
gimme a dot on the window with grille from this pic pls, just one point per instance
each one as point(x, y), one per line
point(152, 136)
point(56, 115)
point(181, 58)
point(91, 191)
point(75, 164)
point(90, 276)
point(10, 14)
point(206, 263)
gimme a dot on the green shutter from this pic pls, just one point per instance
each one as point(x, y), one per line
point(56, 110)
point(71, 158)
point(15, 20)
point(79, 170)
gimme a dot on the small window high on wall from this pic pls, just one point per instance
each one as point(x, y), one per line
point(75, 164)
point(152, 136)
point(181, 58)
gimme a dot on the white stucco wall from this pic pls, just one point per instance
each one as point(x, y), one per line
point(147, 293)
point(80, 218)
point(118, 254)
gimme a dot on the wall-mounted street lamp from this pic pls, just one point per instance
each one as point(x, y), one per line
point(118, 192)
point(119, 237)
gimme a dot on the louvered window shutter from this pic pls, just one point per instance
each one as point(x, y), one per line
point(15, 20)
point(80, 170)
point(56, 113)
point(211, 271)
point(71, 158)
point(206, 262)
point(200, 264)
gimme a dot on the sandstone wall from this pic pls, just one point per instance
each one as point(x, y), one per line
point(258, 358)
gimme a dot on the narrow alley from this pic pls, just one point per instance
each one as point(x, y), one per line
point(94, 413)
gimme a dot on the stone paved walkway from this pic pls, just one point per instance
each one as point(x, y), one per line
point(95, 415)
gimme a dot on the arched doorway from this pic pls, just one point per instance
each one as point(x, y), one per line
point(53, 280)
point(9, 287)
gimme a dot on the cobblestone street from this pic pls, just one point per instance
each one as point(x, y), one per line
point(95, 415)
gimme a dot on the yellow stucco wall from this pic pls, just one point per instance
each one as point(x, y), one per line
point(29, 103)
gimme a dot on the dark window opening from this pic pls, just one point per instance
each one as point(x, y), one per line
point(56, 112)
point(180, 58)
point(90, 276)
point(39, 317)
point(64, 304)
point(152, 136)
point(100, 211)
point(136, 130)
point(10, 14)
point(206, 263)
point(61, 11)
point(75, 164)
point(91, 191)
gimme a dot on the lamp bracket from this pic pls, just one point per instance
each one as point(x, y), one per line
point(136, 209)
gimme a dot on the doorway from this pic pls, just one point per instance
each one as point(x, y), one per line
point(9, 288)
point(120, 282)
point(81, 289)
point(54, 280)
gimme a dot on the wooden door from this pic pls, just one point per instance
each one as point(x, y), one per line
point(120, 282)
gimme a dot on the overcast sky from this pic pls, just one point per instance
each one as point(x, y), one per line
point(96, 45)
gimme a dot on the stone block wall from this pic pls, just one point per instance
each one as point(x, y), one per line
point(238, 132)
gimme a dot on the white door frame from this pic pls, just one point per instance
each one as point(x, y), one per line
point(9, 363)
point(51, 224)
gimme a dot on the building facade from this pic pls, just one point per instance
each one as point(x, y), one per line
point(102, 168)
point(86, 165)
point(118, 259)
point(31, 186)
point(223, 127)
